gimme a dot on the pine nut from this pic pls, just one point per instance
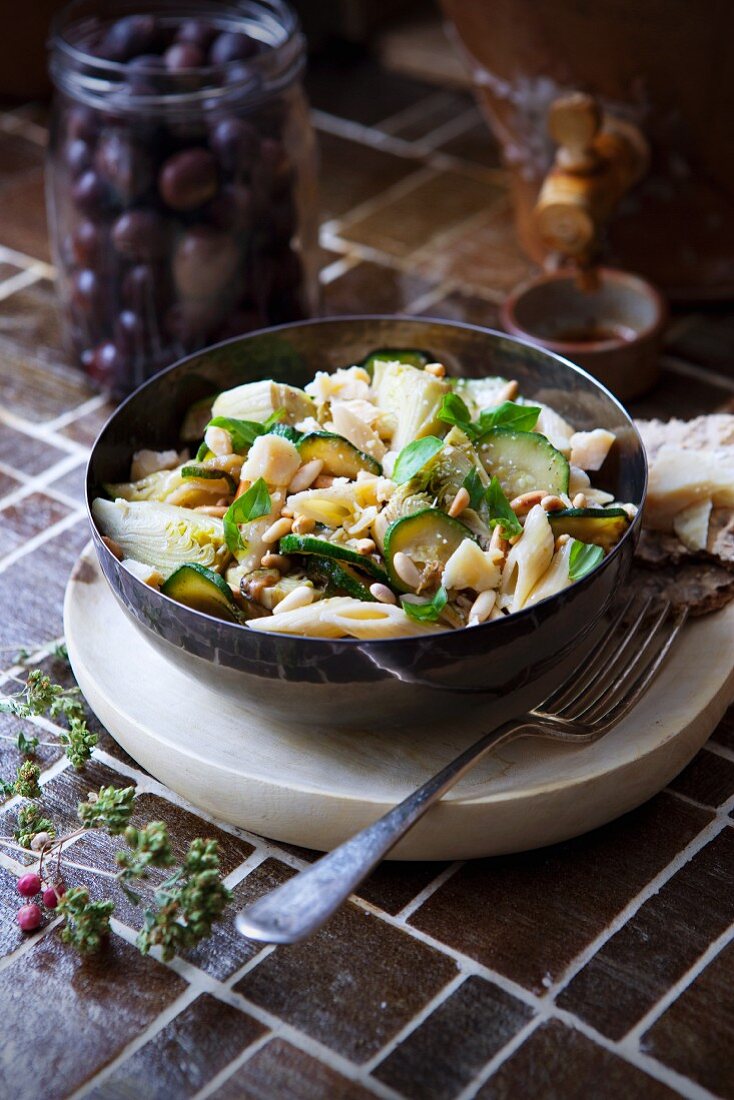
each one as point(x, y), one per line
point(496, 613)
point(498, 541)
point(277, 530)
point(579, 501)
point(253, 587)
point(217, 510)
point(297, 597)
point(382, 593)
point(302, 525)
point(552, 503)
point(305, 475)
point(482, 607)
point(508, 392)
point(522, 504)
point(460, 502)
point(365, 546)
point(275, 561)
point(406, 570)
point(323, 481)
point(287, 512)
point(113, 547)
point(561, 541)
point(438, 370)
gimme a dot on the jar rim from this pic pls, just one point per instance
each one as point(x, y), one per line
point(95, 80)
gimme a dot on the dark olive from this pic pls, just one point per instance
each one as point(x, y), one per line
point(237, 322)
point(188, 179)
point(190, 322)
point(235, 143)
point(182, 56)
point(231, 208)
point(204, 263)
point(78, 156)
point(82, 123)
point(86, 243)
point(144, 289)
point(272, 173)
point(86, 293)
point(197, 32)
point(131, 334)
point(91, 194)
point(124, 165)
point(229, 46)
point(129, 36)
point(140, 235)
point(106, 365)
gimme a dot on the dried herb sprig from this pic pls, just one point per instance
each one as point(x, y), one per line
point(31, 823)
point(111, 809)
point(86, 923)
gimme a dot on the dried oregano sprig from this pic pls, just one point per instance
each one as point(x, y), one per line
point(41, 696)
point(111, 809)
point(86, 923)
point(31, 823)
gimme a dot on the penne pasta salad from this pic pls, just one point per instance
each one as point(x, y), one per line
point(382, 500)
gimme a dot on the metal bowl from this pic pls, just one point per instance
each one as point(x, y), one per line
point(472, 676)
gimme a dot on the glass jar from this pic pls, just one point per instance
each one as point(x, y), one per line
point(181, 179)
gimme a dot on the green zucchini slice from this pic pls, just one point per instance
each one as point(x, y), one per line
point(338, 578)
point(601, 526)
point(413, 357)
point(523, 461)
point(340, 457)
point(312, 544)
point(210, 473)
point(203, 590)
point(429, 538)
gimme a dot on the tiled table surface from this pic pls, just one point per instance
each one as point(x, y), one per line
point(603, 967)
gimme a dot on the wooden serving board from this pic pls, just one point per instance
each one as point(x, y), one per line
point(317, 787)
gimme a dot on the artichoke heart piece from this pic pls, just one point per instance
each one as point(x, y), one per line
point(162, 535)
point(155, 486)
point(412, 397)
point(259, 400)
point(446, 472)
point(479, 393)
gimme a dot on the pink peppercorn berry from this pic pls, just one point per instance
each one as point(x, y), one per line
point(51, 895)
point(29, 917)
point(29, 885)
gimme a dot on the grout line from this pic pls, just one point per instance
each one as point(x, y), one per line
point(452, 128)
point(652, 888)
point(503, 1055)
point(701, 374)
point(720, 750)
point(14, 123)
point(21, 259)
point(435, 884)
point(20, 281)
point(262, 953)
point(397, 190)
point(28, 943)
point(37, 482)
point(337, 268)
point(230, 1070)
point(40, 433)
point(653, 1015)
point(414, 113)
point(169, 1013)
point(420, 1017)
point(71, 415)
point(243, 869)
point(42, 537)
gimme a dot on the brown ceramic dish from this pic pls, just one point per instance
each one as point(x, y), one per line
point(470, 676)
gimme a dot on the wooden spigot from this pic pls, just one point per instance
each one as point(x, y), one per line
point(599, 158)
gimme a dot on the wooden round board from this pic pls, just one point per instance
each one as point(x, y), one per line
point(316, 788)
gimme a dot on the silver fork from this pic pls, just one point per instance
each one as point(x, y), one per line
point(600, 691)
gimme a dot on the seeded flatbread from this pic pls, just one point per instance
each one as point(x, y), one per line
point(701, 587)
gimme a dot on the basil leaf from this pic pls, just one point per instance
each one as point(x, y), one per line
point(414, 457)
point(202, 452)
point(251, 505)
point(289, 433)
point(522, 418)
point(583, 558)
point(500, 512)
point(245, 432)
point(473, 485)
point(454, 411)
point(426, 612)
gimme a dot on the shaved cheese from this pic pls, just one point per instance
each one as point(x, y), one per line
point(680, 478)
point(692, 525)
point(471, 567)
point(349, 423)
point(589, 449)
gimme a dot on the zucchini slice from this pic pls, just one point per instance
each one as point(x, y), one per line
point(429, 538)
point(209, 473)
point(312, 544)
point(601, 526)
point(338, 578)
point(414, 357)
point(203, 590)
point(523, 461)
point(340, 457)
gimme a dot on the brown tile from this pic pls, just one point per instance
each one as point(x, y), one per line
point(185, 1055)
point(724, 732)
point(420, 120)
point(706, 338)
point(350, 173)
point(22, 452)
point(72, 484)
point(10, 757)
point(8, 484)
point(32, 613)
point(38, 390)
point(475, 144)
point(355, 87)
point(36, 113)
point(696, 1034)
point(8, 270)
point(464, 307)
point(445, 1052)
point(365, 981)
point(709, 779)
point(485, 256)
point(24, 216)
point(66, 1017)
point(281, 1070)
point(372, 288)
point(30, 318)
point(679, 395)
point(402, 225)
point(658, 944)
point(30, 516)
point(529, 915)
point(557, 1062)
point(86, 428)
point(17, 156)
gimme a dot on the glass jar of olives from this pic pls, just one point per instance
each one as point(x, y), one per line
point(181, 179)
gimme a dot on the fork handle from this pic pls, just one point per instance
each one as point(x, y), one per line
point(300, 906)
